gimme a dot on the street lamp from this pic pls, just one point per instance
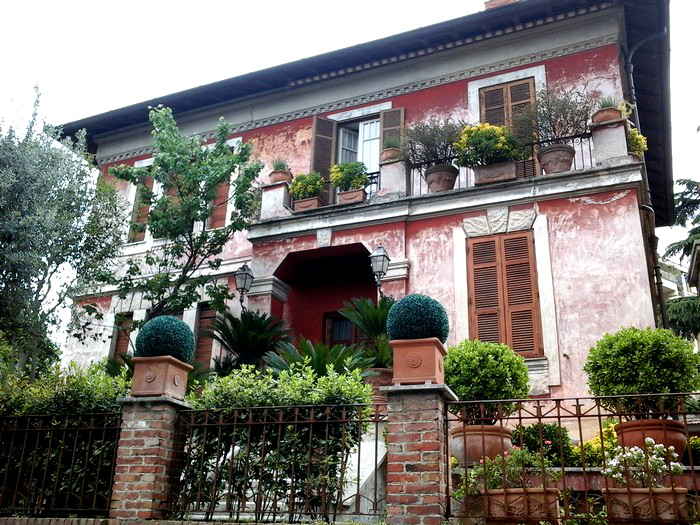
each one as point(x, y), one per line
point(244, 279)
point(379, 260)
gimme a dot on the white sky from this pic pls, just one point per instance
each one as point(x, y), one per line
point(88, 57)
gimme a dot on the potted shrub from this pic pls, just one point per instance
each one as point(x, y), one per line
point(636, 143)
point(514, 485)
point(635, 362)
point(391, 151)
point(306, 189)
point(477, 370)
point(491, 151)
point(429, 147)
point(639, 472)
point(280, 171)
point(417, 325)
point(164, 349)
point(350, 178)
point(608, 110)
point(557, 115)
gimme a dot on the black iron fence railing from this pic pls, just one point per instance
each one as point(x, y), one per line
point(593, 460)
point(282, 464)
point(60, 465)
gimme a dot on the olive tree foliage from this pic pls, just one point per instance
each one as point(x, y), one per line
point(60, 228)
point(173, 272)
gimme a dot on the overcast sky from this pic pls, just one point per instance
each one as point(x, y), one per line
point(88, 57)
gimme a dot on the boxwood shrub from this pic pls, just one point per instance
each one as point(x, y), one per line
point(417, 316)
point(165, 335)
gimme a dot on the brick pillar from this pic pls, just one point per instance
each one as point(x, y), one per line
point(417, 463)
point(145, 457)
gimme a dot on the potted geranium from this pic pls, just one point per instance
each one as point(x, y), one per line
point(391, 151)
point(417, 326)
point(164, 349)
point(429, 147)
point(350, 178)
point(639, 472)
point(280, 171)
point(491, 151)
point(306, 189)
point(635, 363)
point(477, 370)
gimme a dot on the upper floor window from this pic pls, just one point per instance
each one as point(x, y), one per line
point(360, 141)
point(498, 104)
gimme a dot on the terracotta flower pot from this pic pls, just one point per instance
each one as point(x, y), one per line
point(307, 204)
point(668, 432)
point(159, 376)
point(556, 158)
point(418, 361)
point(441, 177)
point(522, 503)
point(647, 504)
point(606, 115)
point(389, 155)
point(471, 443)
point(352, 196)
point(281, 176)
point(382, 378)
point(499, 172)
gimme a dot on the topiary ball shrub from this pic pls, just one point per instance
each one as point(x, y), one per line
point(165, 335)
point(476, 370)
point(636, 361)
point(417, 316)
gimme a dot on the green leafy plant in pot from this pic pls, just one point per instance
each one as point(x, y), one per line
point(481, 371)
point(280, 171)
point(164, 349)
point(391, 149)
point(306, 189)
point(350, 178)
point(429, 147)
point(636, 362)
point(417, 325)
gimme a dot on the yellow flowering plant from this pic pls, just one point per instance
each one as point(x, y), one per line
point(349, 176)
point(306, 185)
point(483, 144)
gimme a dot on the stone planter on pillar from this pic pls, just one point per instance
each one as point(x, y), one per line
point(160, 376)
point(275, 201)
point(609, 141)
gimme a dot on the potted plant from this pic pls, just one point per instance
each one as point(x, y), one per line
point(636, 143)
point(491, 151)
point(514, 485)
point(306, 189)
point(639, 472)
point(556, 116)
point(370, 318)
point(350, 178)
point(638, 362)
point(429, 147)
point(164, 349)
point(477, 370)
point(280, 171)
point(608, 110)
point(391, 151)
point(417, 325)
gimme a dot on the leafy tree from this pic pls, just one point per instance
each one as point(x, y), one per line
point(687, 207)
point(684, 316)
point(172, 274)
point(60, 228)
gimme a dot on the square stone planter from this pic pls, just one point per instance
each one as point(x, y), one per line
point(499, 172)
point(352, 196)
point(520, 504)
point(418, 361)
point(159, 376)
point(626, 504)
point(307, 204)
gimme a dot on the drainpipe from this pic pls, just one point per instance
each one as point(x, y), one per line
point(646, 192)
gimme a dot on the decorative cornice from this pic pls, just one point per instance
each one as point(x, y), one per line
point(270, 285)
point(456, 76)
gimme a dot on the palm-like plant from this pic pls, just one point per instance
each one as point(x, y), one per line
point(319, 358)
point(246, 339)
point(370, 319)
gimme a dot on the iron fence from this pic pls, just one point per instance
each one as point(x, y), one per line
point(57, 465)
point(593, 460)
point(282, 464)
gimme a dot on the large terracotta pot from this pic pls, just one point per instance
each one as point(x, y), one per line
point(382, 378)
point(307, 204)
point(646, 504)
point(498, 172)
point(665, 431)
point(389, 155)
point(556, 158)
point(159, 376)
point(522, 504)
point(470, 443)
point(606, 115)
point(418, 361)
point(281, 176)
point(441, 177)
point(352, 196)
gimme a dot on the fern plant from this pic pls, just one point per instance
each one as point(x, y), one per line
point(320, 358)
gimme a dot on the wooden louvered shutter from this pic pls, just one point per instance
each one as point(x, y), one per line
point(123, 332)
point(220, 204)
point(494, 105)
point(486, 308)
point(140, 213)
point(391, 121)
point(521, 95)
point(205, 318)
point(522, 317)
point(323, 145)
